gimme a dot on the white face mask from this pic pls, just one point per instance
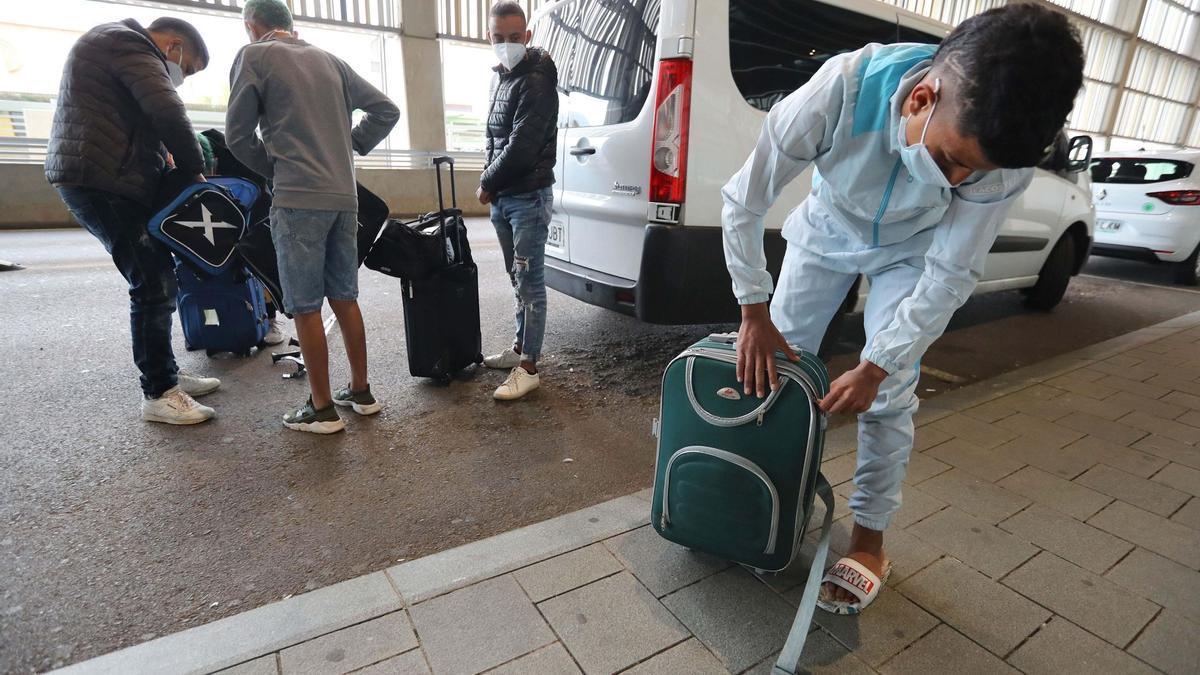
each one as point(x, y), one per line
point(509, 53)
point(175, 70)
point(916, 157)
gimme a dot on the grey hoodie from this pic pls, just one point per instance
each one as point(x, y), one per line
point(301, 98)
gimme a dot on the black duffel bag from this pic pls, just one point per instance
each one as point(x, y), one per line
point(414, 250)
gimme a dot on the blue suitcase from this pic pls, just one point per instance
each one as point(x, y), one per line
point(202, 222)
point(222, 313)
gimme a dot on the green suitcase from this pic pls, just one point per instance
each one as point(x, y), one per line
point(736, 475)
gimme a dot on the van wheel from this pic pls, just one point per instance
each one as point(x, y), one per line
point(1054, 277)
point(1187, 271)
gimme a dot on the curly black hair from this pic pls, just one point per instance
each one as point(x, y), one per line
point(1018, 68)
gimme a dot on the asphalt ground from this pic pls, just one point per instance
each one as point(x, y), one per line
point(113, 531)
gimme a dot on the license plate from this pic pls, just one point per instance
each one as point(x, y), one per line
point(1108, 225)
point(557, 236)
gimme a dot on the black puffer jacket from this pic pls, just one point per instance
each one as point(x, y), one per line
point(522, 127)
point(116, 111)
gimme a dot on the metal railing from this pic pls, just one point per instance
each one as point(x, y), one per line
point(33, 151)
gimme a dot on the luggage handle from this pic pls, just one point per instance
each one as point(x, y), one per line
point(438, 161)
point(717, 420)
point(437, 168)
point(793, 648)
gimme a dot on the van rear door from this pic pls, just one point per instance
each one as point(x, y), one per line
point(607, 74)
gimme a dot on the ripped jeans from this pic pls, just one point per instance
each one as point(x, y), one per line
point(522, 223)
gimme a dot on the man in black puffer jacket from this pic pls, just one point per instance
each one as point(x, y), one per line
point(521, 152)
point(118, 117)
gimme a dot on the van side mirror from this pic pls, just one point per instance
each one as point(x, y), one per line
point(1079, 154)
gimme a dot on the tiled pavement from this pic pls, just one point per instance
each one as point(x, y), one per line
point(1051, 525)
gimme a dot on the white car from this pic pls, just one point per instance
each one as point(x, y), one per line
point(1148, 208)
point(661, 101)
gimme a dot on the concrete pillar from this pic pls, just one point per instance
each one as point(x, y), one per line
point(422, 58)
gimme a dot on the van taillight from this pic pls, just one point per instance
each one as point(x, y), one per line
point(672, 108)
point(1178, 197)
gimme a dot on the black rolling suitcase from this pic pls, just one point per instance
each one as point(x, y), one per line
point(441, 308)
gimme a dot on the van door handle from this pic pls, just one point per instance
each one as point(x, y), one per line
point(578, 152)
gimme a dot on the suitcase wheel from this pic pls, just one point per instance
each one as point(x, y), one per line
point(479, 359)
point(210, 352)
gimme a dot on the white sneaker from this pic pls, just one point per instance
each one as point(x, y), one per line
point(518, 384)
point(175, 407)
point(274, 334)
point(197, 385)
point(505, 360)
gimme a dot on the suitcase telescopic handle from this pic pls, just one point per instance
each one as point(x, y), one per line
point(437, 168)
point(438, 161)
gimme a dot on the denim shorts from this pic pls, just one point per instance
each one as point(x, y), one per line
point(318, 256)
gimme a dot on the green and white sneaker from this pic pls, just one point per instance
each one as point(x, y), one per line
point(362, 402)
point(308, 418)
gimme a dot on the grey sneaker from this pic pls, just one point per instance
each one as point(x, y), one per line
point(362, 402)
point(197, 385)
point(308, 418)
point(274, 334)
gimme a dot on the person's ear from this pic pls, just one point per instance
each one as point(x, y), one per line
point(528, 36)
point(920, 98)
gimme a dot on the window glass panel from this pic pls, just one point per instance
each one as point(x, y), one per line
point(610, 67)
point(556, 32)
point(952, 12)
point(1154, 119)
point(1137, 171)
point(1102, 49)
point(1091, 106)
point(36, 37)
point(1193, 139)
point(1093, 9)
point(461, 19)
point(466, 82)
point(1166, 24)
point(775, 46)
point(1163, 74)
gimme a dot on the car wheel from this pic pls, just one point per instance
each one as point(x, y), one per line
point(1187, 271)
point(1054, 277)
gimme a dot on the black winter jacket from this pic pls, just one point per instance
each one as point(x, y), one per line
point(522, 127)
point(116, 110)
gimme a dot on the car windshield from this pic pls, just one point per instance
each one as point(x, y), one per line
point(1138, 171)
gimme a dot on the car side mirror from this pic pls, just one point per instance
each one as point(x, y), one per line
point(1079, 154)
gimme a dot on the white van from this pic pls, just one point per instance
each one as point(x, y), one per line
point(661, 101)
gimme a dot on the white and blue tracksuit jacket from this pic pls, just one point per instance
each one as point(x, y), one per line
point(922, 247)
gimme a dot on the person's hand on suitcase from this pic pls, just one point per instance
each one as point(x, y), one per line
point(757, 341)
point(484, 196)
point(854, 391)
